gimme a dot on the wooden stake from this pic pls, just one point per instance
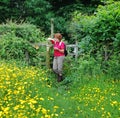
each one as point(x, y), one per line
point(52, 27)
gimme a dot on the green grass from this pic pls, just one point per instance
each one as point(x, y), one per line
point(31, 92)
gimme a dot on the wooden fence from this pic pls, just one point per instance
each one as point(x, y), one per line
point(71, 48)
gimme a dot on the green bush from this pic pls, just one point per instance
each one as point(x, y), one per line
point(99, 34)
point(76, 70)
point(16, 42)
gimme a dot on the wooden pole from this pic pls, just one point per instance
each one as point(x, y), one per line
point(27, 57)
point(48, 56)
point(76, 50)
point(48, 46)
point(52, 27)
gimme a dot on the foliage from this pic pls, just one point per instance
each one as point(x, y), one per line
point(16, 42)
point(33, 11)
point(85, 65)
point(11, 9)
point(26, 92)
point(99, 34)
point(39, 12)
point(99, 27)
point(108, 1)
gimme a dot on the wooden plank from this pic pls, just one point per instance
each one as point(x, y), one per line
point(71, 45)
point(72, 54)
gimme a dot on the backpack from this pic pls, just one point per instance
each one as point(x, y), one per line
point(65, 50)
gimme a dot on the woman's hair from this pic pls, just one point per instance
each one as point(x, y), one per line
point(58, 36)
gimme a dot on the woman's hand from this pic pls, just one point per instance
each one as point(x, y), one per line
point(55, 48)
point(60, 50)
point(49, 39)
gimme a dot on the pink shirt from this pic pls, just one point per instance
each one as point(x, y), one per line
point(59, 45)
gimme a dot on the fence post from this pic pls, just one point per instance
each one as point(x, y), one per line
point(76, 50)
point(52, 27)
point(48, 55)
point(27, 56)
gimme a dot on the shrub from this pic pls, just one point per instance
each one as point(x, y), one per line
point(16, 41)
point(99, 34)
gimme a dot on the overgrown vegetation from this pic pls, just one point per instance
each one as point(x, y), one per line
point(91, 83)
point(39, 12)
point(29, 92)
point(16, 42)
point(98, 36)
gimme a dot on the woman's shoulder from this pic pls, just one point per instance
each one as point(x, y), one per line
point(62, 42)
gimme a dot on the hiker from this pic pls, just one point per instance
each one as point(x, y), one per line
point(59, 47)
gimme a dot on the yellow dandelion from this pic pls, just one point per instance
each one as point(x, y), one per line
point(6, 110)
point(56, 107)
point(56, 115)
point(48, 86)
point(20, 115)
point(113, 103)
point(109, 114)
point(113, 94)
point(61, 112)
point(5, 98)
point(14, 75)
point(1, 113)
point(91, 109)
point(102, 108)
point(38, 110)
point(42, 99)
point(9, 92)
point(32, 106)
point(16, 107)
point(19, 88)
point(22, 101)
point(50, 98)
point(32, 101)
point(16, 92)
point(22, 106)
point(44, 111)
point(25, 82)
point(52, 114)
point(47, 116)
point(7, 82)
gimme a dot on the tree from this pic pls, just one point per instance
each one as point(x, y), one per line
point(39, 12)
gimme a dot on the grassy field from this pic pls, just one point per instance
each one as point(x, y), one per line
point(31, 92)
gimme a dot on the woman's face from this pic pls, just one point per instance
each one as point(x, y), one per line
point(56, 39)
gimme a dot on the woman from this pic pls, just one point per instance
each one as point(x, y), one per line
point(59, 56)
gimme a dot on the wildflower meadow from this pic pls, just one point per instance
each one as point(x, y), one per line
point(27, 92)
point(91, 70)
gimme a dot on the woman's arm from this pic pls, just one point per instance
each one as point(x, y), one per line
point(51, 40)
point(61, 50)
